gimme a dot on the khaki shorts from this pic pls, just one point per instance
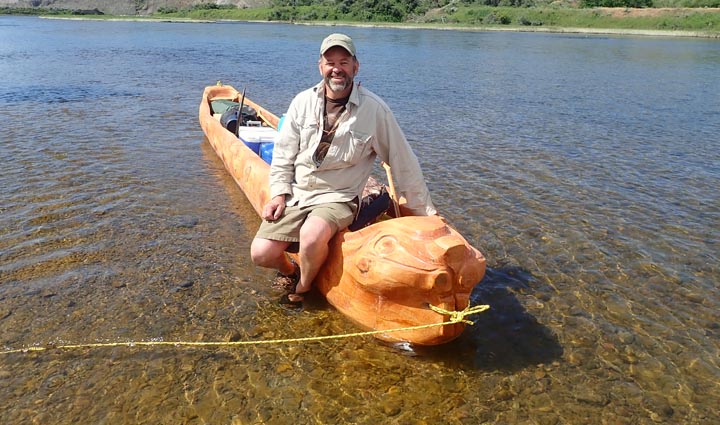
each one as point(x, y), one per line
point(287, 228)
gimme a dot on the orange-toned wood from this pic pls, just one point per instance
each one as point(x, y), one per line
point(382, 277)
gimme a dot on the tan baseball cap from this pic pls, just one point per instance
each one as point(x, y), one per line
point(341, 40)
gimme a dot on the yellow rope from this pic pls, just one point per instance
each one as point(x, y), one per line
point(455, 317)
point(459, 316)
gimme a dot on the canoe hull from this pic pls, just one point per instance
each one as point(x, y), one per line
point(383, 276)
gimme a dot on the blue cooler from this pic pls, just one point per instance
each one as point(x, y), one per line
point(254, 137)
point(254, 145)
point(266, 151)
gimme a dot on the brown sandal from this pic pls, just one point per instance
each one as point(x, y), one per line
point(287, 282)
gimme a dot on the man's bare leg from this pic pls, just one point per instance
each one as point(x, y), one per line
point(315, 234)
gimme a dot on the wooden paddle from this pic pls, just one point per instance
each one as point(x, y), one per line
point(393, 195)
point(239, 115)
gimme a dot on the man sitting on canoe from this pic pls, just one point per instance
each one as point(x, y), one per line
point(322, 159)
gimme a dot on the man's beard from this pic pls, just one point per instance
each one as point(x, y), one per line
point(338, 87)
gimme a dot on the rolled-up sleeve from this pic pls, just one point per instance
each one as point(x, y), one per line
point(406, 171)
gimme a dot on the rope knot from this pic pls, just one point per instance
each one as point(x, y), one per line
point(459, 316)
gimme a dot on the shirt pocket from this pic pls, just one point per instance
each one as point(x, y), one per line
point(355, 147)
point(308, 130)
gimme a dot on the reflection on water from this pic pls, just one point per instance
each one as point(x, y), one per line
point(584, 168)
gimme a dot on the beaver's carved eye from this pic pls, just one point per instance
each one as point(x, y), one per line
point(386, 245)
point(363, 265)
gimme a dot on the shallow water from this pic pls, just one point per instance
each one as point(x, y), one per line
point(584, 168)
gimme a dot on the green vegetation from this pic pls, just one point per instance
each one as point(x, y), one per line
point(466, 13)
point(35, 11)
point(683, 15)
point(582, 18)
point(616, 3)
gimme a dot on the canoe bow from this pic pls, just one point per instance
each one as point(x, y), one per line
point(382, 277)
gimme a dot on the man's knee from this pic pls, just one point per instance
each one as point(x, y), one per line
point(257, 253)
point(264, 252)
point(315, 231)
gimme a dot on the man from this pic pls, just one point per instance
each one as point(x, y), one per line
point(322, 159)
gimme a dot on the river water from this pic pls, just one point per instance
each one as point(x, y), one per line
point(586, 169)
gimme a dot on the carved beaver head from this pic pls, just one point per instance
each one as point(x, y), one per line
point(404, 264)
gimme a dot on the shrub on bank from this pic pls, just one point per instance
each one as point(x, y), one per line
point(213, 6)
point(616, 3)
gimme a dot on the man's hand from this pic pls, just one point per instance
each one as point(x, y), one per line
point(274, 209)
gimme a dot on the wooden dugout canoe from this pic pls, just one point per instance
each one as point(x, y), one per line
point(383, 276)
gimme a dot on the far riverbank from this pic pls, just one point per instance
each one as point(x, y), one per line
point(652, 22)
point(673, 22)
point(561, 30)
point(430, 26)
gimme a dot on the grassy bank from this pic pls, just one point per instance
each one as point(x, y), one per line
point(701, 22)
point(678, 19)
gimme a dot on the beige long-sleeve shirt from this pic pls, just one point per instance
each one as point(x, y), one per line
point(368, 130)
